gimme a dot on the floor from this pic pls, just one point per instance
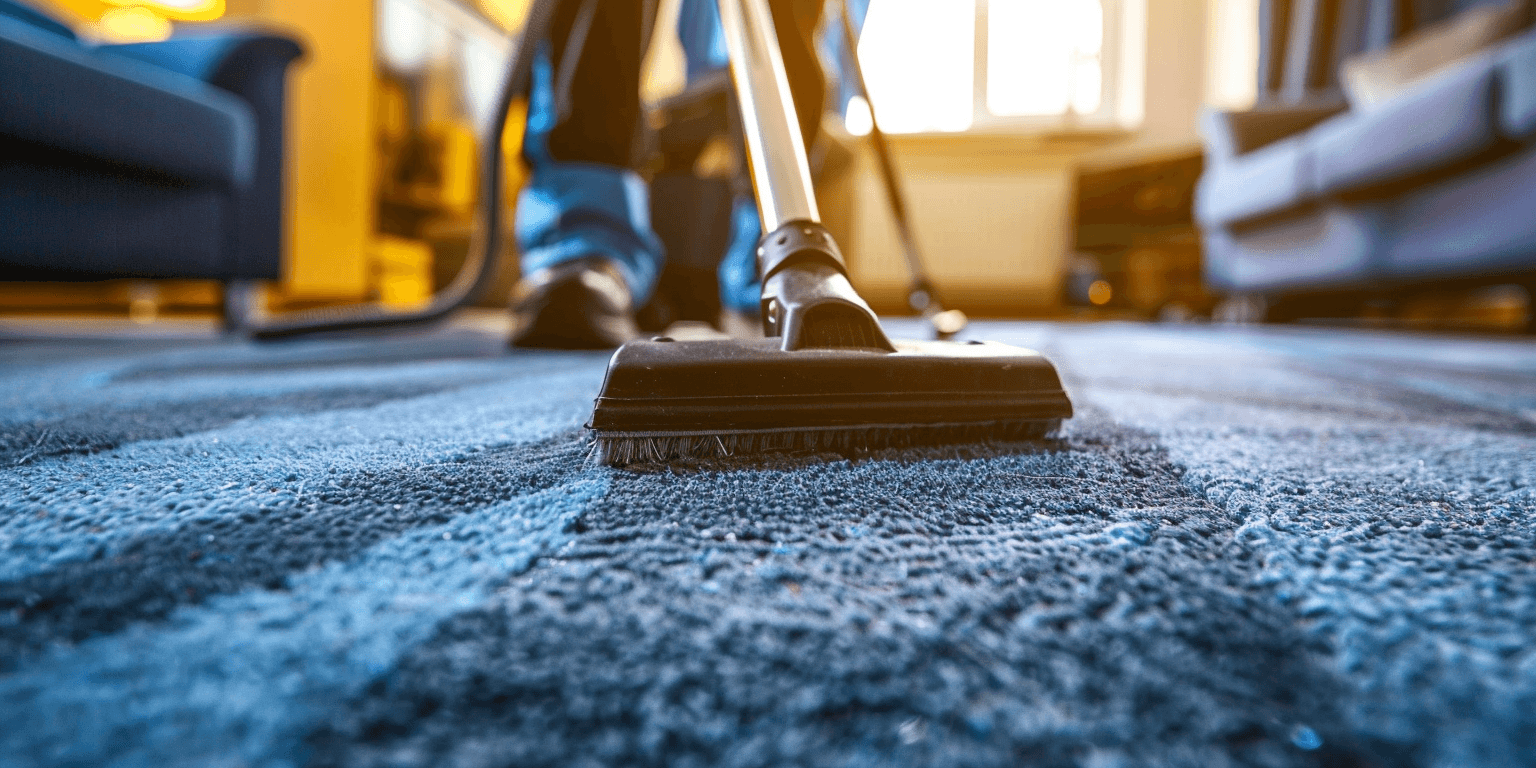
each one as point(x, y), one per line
point(1250, 547)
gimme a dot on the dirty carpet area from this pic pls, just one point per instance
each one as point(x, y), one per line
point(1268, 548)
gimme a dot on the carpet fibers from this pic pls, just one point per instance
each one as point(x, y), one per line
point(1266, 548)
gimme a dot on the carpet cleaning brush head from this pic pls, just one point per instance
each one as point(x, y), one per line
point(681, 400)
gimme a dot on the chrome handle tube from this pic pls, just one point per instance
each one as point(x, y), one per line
point(781, 175)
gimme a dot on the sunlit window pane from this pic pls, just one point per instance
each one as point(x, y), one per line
point(918, 58)
point(1044, 56)
point(858, 119)
point(1232, 54)
point(1088, 87)
point(1085, 25)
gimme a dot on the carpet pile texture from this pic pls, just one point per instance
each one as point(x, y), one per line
point(1267, 548)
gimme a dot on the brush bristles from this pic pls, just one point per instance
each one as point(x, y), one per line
point(622, 448)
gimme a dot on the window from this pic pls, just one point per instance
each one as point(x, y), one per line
point(1043, 57)
point(1001, 65)
point(918, 58)
point(1232, 53)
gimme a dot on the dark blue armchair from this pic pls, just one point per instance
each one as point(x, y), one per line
point(156, 160)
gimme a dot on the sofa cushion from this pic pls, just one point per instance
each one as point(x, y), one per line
point(1264, 181)
point(1478, 222)
point(1517, 113)
point(1331, 246)
point(85, 221)
point(1378, 77)
point(1443, 121)
point(60, 94)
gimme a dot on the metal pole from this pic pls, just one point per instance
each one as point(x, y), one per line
point(781, 176)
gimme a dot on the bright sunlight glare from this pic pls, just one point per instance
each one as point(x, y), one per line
point(133, 25)
point(918, 58)
point(1044, 56)
point(859, 120)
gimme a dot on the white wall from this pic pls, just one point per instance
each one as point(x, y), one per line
point(990, 216)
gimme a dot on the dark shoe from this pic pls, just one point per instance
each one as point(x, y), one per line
point(580, 304)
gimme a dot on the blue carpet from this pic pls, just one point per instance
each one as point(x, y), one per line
point(1277, 548)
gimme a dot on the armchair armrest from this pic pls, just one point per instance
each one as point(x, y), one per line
point(1229, 134)
point(228, 59)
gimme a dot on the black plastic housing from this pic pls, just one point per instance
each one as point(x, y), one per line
point(719, 387)
point(807, 300)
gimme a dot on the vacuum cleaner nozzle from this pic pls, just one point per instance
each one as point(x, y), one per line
point(667, 400)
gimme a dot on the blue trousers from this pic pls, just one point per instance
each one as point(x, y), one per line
point(582, 141)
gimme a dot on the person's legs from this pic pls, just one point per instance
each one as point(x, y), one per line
point(589, 257)
point(599, 99)
point(796, 23)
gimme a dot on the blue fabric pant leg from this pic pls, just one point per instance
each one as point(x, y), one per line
point(584, 197)
point(740, 288)
point(574, 210)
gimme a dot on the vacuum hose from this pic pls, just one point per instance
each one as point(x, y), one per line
point(479, 269)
